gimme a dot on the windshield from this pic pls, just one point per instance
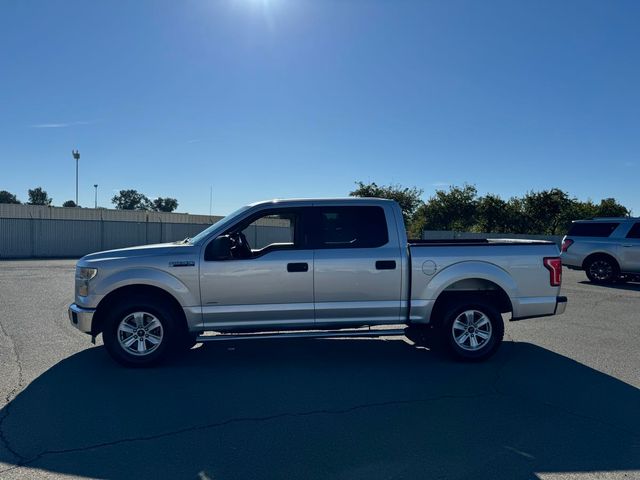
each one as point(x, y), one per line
point(228, 220)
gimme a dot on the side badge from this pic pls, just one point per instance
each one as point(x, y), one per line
point(183, 263)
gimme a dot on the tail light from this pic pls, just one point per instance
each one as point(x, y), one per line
point(566, 243)
point(554, 265)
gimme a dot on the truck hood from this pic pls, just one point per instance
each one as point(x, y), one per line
point(158, 249)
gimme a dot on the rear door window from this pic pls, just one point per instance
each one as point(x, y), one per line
point(635, 231)
point(594, 229)
point(350, 227)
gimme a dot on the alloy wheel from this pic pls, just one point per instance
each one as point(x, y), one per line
point(471, 330)
point(140, 333)
point(601, 270)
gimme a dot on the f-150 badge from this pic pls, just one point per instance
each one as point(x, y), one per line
point(183, 263)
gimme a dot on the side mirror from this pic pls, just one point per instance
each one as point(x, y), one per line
point(219, 249)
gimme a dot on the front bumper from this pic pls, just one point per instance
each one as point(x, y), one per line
point(81, 318)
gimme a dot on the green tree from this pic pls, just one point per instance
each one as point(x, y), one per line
point(576, 210)
point(545, 210)
point(38, 196)
point(609, 207)
point(407, 197)
point(515, 219)
point(165, 204)
point(131, 200)
point(8, 197)
point(449, 210)
point(493, 214)
point(579, 210)
point(69, 203)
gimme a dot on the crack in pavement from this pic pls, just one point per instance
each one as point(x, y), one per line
point(493, 390)
point(266, 418)
point(4, 441)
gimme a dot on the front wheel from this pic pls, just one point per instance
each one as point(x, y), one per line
point(472, 331)
point(139, 333)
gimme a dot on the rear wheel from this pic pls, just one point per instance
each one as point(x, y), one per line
point(602, 269)
point(472, 331)
point(140, 332)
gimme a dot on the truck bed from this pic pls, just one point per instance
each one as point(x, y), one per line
point(476, 242)
point(468, 265)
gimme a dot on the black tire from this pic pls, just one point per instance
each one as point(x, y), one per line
point(602, 269)
point(128, 312)
point(481, 319)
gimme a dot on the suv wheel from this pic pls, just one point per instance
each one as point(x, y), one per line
point(602, 270)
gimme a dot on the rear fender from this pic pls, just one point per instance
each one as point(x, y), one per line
point(426, 296)
point(601, 253)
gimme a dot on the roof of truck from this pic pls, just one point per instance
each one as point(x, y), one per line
point(607, 219)
point(322, 201)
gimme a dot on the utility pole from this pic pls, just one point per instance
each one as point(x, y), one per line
point(210, 198)
point(95, 185)
point(76, 155)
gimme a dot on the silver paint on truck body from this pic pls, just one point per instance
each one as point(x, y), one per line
point(342, 287)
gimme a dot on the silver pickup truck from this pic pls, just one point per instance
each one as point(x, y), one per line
point(312, 268)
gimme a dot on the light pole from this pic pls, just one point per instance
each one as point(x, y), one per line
point(95, 185)
point(76, 155)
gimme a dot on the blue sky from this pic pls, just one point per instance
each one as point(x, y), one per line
point(295, 98)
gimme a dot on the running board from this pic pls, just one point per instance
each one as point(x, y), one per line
point(327, 334)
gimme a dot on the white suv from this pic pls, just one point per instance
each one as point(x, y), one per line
point(607, 249)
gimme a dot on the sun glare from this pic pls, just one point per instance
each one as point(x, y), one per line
point(265, 8)
point(261, 3)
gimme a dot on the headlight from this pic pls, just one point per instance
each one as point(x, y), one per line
point(83, 275)
point(86, 273)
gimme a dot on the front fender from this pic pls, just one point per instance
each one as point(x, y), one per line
point(146, 276)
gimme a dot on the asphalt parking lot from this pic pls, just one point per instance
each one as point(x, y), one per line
point(561, 399)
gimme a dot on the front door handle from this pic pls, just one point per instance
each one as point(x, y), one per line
point(297, 267)
point(386, 265)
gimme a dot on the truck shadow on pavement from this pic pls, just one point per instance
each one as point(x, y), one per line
point(322, 409)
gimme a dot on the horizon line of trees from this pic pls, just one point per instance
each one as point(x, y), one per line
point(460, 208)
point(125, 200)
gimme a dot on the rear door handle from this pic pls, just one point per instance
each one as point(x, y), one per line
point(385, 265)
point(297, 267)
